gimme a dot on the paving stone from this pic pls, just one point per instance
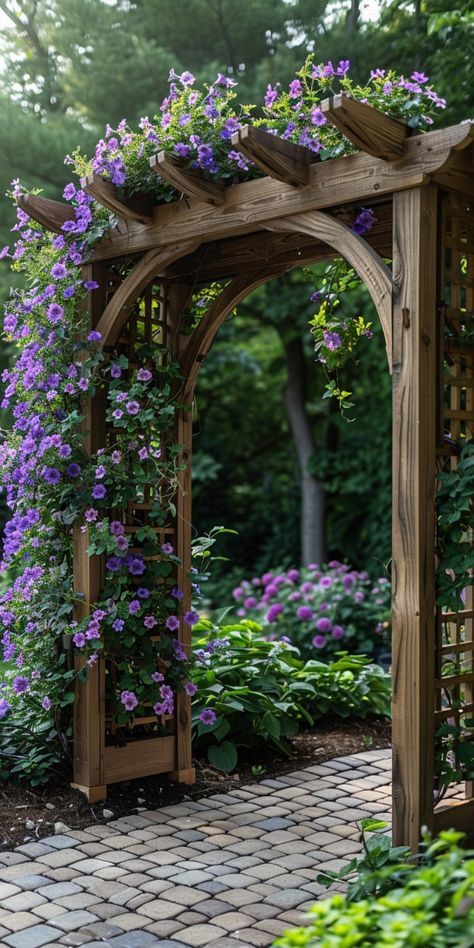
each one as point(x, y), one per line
point(22, 902)
point(7, 889)
point(75, 939)
point(101, 930)
point(238, 897)
point(72, 920)
point(57, 890)
point(16, 921)
point(233, 921)
point(32, 882)
point(129, 921)
point(106, 910)
point(190, 917)
point(250, 937)
point(34, 937)
point(237, 879)
point(287, 899)
point(213, 888)
point(192, 877)
point(274, 823)
point(11, 859)
point(137, 939)
point(197, 935)
point(60, 857)
point(50, 910)
point(80, 901)
point(33, 850)
point(258, 910)
point(159, 908)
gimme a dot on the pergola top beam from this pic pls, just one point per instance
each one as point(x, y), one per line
point(367, 128)
point(50, 214)
point(278, 158)
point(131, 209)
point(189, 181)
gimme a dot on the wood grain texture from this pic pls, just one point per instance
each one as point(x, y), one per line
point(457, 814)
point(131, 209)
point(116, 313)
point(358, 253)
point(367, 128)
point(89, 704)
point(50, 214)
point(189, 181)
point(413, 537)
point(248, 206)
point(140, 758)
point(278, 158)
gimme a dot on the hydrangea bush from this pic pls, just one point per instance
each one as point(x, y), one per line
point(51, 486)
point(319, 610)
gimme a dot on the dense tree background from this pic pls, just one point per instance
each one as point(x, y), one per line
point(70, 66)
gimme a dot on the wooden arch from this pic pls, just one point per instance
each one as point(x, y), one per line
point(421, 188)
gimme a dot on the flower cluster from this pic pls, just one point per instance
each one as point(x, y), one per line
point(319, 610)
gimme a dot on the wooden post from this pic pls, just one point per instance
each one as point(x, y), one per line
point(89, 704)
point(414, 445)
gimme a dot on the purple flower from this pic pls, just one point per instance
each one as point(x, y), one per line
point(69, 192)
point(55, 313)
point(177, 593)
point(122, 543)
point(343, 67)
point(134, 607)
point(167, 548)
point(51, 475)
point(337, 632)
point(304, 612)
point(115, 370)
point(129, 700)
point(73, 470)
point(117, 528)
point(58, 271)
point(191, 618)
point(208, 716)
point(419, 77)
point(91, 515)
point(270, 96)
point(143, 593)
point(91, 285)
point(157, 677)
point(20, 685)
point(144, 375)
point(359, 596)
point(132, 407)
point(295, 89)
point(364, 221)
point(149, 622)
point(190, 688)
point(319, 641)
point(332, 340)
point(98, 491)
point(172, 623)
point(182, 150)
point(318, 117)
point(65, 451)
point(274, 611)
point(5, 707)
point(323, 624)
point(118, 625)
point(46, 703)
point(94, 336)
point(114, 563)
point(100, 472)
point(136, 566)
point(250, 602)
point(79, 639)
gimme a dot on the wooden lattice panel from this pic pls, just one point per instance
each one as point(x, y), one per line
point(454, 684)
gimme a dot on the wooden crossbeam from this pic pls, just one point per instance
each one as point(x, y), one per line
point(131, 209)
point(189, 181)
point(50, 214)
point(367, 128)
point(278, 158)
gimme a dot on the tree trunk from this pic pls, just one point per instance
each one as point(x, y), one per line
point(313, 502)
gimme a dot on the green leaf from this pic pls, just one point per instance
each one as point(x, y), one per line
point(223, 756)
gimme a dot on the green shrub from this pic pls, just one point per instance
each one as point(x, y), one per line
point(397, 903)
point(259, 691)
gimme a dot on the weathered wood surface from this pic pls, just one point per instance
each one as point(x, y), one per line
point(367, 128)
point(140, 758)
point(131, 209)
point(154, 263)
point(277, 157)
point(89, 704)
point(365, 261)
point(189, 181)
point(413, 537)
point(457, 814)
point(50, 214)
point(248, 206)
point(229, 257)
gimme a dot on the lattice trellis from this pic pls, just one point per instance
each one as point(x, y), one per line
point(454, 684)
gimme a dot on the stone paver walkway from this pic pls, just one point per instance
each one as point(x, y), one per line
point(228, 870)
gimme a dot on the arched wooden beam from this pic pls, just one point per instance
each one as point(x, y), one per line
point(358, 253)
point(50, 214)
point(116, 313)
point(196, 346)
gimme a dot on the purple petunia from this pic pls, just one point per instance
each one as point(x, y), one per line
point(73, 470)
point(20, 685)
point(132, 407)
point(136, 567)
point(192, 618)
point(208, 716)
point(58, 271)
point(55, 313)
point(172, 623)
point(129, 700)
point(79, 639)
point(167, 548)
point(94, 336)
point(46, 703)
point(190, 688)
point(5, 707)
point(98, 491)
point(51, 475)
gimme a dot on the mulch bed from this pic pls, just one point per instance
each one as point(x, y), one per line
point(28, 814)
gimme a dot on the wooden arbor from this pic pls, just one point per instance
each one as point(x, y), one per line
point(422, 188)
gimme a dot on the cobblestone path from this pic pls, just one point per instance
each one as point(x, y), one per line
point(229, 870)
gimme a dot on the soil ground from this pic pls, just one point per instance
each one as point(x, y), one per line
point(28, 814)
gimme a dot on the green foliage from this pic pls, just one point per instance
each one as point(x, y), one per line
point(396, 903)
point(261, 691)
point(455, 524)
